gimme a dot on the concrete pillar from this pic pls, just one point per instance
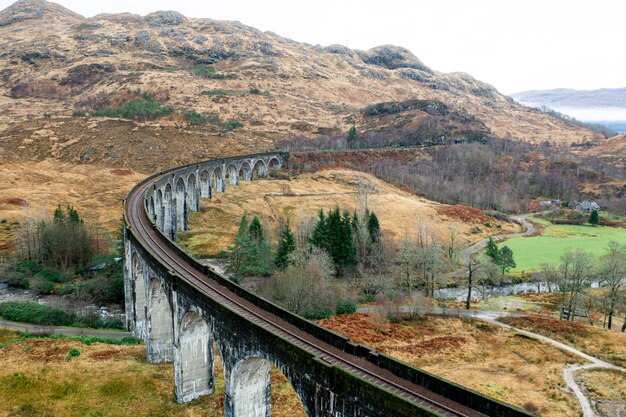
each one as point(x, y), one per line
point(139, 297)
point(129, 304)
point(180, 206)
point(160, 341)
point(233, 175)
point(168, 212)
point(248, 392)
point(193, 358)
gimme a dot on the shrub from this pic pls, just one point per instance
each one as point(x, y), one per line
point(345, 307)
point(72, 353)
point(79, 113)
point(3, 221)
point(208, 71)
point(219, 92)
point(29, 312)
point(194, 117)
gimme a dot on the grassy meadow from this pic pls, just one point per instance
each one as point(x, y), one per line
point(556, 239)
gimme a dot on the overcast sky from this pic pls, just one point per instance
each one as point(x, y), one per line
point(514, 45)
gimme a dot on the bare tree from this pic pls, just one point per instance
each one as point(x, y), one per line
point(576, 274)
point(473, 266)
point(612, 276)
point(487, 279)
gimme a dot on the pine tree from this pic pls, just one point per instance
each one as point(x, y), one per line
point(373, 227)
point(505, 259)
point(352, 135)
point(256, 230)
point(594, 218)
point(59, 215)
point(242, 255)
point(334, 236)
point(355, 222)
point(319, 236)
point(286, 245)
point(72, 215)
point(348, 249)
point(492, 250)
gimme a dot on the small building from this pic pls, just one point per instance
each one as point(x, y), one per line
point(546, 204)
point(586, 206)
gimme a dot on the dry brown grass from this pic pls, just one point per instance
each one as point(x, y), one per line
point(106, 380)
point(485, 358)
point(604, 344)
point(35, 188)
point(606, 389)
point(400, 212)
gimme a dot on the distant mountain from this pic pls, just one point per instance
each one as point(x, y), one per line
point(564, 98)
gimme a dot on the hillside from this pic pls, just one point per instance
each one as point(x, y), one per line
point(298, 200)
point(55, 62)
point(612, 150)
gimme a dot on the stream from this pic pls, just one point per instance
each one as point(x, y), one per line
point(460, 293)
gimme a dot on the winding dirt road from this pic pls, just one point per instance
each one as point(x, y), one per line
point(569, 372)
point(467, 253)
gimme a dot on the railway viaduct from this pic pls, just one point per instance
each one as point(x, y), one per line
point(183, 309)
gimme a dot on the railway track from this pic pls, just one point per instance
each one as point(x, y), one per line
point(153, 241)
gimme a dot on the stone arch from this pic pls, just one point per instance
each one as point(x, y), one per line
point(159, 210)
point(218, 180)
point(180, 210)
point(259, 170)
point(250, 389)
point(151, 210)
point(168, 212)
point(232, 173)
point(194, 362)
point(161, 326)
point(205, 184)
point(273, 163)
point(245, 171)
point(192, 193)
point(139, 299)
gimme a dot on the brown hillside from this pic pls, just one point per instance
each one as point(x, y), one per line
point(55, 61)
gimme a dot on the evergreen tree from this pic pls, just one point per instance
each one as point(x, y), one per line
point(334, 236)
point(505, 259)
point(72, 216)
point(264, 257)
point(242, 255)
point(355, 221)
point(318, 235)
point(59, 215)
point(373, 227)
point(352, 135)
point(492, 250)
point(594, 218)
point(347, 249)
point(286, 245)
point(256, 230)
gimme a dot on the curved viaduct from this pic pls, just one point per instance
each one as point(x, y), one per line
point(180, 308)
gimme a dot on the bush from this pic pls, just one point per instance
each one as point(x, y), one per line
point(34, 313)
point(72, 353)
point(194, 117)
point(143, 109)
point(79, 113)
point(345, 307)
point(208, 71)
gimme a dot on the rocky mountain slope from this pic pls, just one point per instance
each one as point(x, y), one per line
point(54, 62)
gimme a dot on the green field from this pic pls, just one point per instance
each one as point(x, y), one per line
point(531, 252)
